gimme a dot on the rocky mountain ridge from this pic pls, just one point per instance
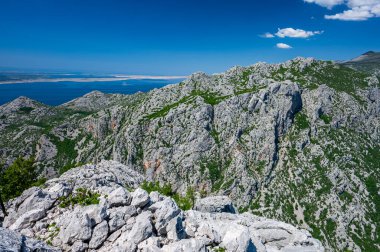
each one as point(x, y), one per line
point(297, 141)
point(120, 220)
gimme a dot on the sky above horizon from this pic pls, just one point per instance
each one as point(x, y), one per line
point(178, 37)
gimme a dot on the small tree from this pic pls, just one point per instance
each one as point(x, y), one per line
point(18, 177)
point(2, 205)
point(1, 198)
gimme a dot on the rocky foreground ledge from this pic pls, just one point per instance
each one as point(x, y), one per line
point(115, 219)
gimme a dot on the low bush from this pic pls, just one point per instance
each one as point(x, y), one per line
point(184, 202)
point(82, 196)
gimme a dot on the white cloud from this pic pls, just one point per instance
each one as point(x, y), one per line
point(326, 3)
point(283, 46)
point(267, 35)
point(358, 9)
point(352, 15)
point(296, 33)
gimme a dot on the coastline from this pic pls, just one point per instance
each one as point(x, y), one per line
point(115, 78)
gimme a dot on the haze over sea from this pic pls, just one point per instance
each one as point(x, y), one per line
point(60, 92)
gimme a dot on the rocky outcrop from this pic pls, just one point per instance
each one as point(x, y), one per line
point(92, 101)
point(121, 220)
point(11, 241)
point(216, 204)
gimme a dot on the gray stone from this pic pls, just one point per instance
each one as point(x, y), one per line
point(215, 204)
point(140, 198)
point(99, 235)
point(164, 211)
point(116, 218)
point(79, 246)
point(75, 226)
point(118, 197)
point(27, 219)
point(11, 241)
point(188, 245)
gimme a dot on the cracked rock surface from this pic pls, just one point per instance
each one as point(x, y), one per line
point(137, 221)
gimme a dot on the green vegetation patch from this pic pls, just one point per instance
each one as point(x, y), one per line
point(325, 118)
point(184, 202)
point(82, 196)
point(246, 90)
point(340, 78)
point(26, 110)
point(301, 121)
point(18, 177)
point(66, 152)
point(219, 249)
point(165, 110)
point(209, 97)
point(215, 135)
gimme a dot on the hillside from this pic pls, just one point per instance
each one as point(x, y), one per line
point(297, 142)
point(369, 61)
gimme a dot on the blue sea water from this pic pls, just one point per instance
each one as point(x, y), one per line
point(56, 93)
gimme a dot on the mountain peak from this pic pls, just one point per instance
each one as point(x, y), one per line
point(369, 53)
point(21, 102)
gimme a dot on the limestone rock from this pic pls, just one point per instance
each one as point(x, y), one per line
point(118, 197)
point(140, 198)
point(164, 211)
point(99, 235)
point(146, 223)
point(215, 204)
point(13, 242)
point(27, 219)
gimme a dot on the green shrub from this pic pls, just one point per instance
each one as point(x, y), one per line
point(21, 175)
point(82, 196)
point(325, 118)
point(66, 152)
point(219, 249)
point(215, 135)
point(209, 97)
point(184, 202)
point(330, 227)
point(165, 110)
point(301, 121)
point(293, 153)
point(26, 110)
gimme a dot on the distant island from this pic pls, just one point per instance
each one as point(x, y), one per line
point(38, 78)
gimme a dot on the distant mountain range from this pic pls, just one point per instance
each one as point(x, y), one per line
point(369, 61)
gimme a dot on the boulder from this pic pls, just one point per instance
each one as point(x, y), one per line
point(74, 226)
point(99, 235)
point(140, 198)
point(215, 204)
point(164, 211)
point(13, 242)
point(188, 245)
point(118, 197)
point(27, 219)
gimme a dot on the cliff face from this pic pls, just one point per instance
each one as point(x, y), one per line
point(108, 217)
point(297, 141)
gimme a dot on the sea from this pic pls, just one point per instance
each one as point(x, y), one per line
point(56, 93)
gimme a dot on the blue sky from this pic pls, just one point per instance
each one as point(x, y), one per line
point(178, 37)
